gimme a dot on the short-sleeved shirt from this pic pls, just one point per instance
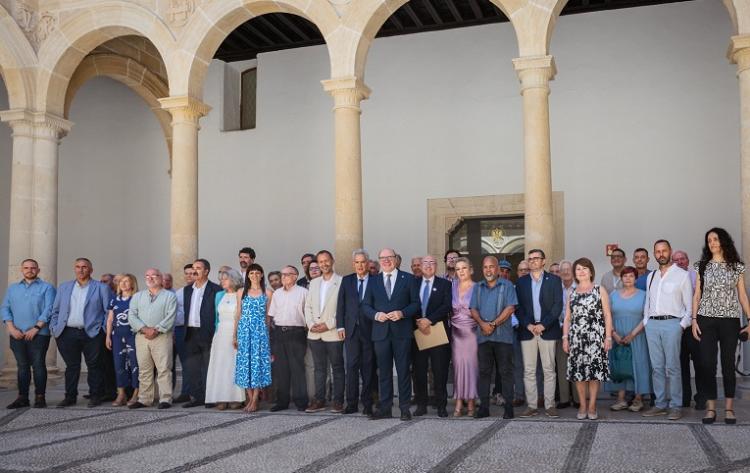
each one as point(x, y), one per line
point(489, 302)
point(120, 306)
point(719, 290)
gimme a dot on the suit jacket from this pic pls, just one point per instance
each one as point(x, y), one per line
point(94, 310)
point(313, 313)
point(440, 303)
point(207, 310)
point(404, 297)
point(551, 301)
point(349, 313)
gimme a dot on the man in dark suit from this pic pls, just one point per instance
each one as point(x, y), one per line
point(200, 320)
point(435, 302)
point(77, 321)
point(540, 302)
point(357, 332)
point(391, 302)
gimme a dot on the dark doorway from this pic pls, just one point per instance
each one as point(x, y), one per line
point(502, 237)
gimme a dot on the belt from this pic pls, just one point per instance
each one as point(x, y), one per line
point(289, 328)
point(663, 317)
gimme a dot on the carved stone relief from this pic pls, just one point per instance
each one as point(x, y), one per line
point(37, 26)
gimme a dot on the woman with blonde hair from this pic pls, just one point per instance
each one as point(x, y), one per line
point(121, 340)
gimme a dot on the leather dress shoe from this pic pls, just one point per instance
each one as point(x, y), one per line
point(40, 402)
point(164, 405)
point(181, 398)
point(420, 411)
point(278, 408)
point(406, 415)
point(508, 414)
point(482, 413)
point(563, 405)
point(193, 403)
point(19, 403)
point(442, 412)
point(367, 411)
point(94, 401)
point(137, 405)
point(68, 401)
point(380, 415)
point(351, 410)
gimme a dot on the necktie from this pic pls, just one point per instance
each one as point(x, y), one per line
point(388, 286)
point(360, 292)
point(425, 297)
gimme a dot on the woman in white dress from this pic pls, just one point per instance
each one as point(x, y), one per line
point(220, 387)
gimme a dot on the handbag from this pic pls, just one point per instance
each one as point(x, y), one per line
point(621, 363)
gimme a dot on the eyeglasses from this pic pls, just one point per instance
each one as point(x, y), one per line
point(386, 258)
point(534, 258)
point(288, 274)
point(429, 263)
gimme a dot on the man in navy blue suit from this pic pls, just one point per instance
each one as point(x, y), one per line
point(391, 302)
point(539, 305)
point(436, 304)
point(357, 332)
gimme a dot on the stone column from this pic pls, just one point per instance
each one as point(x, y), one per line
point(347, 94)
point(534, 74)
point(33, 214)
point(185, 111)
point(739, 53)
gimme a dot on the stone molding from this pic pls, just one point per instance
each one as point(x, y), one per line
point(347, 92)
point(739, 52)
point(535, 72)
point(185, 109)
point(36, 124)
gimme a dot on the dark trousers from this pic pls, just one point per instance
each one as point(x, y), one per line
point(387, 352)
point(109, 377)
point(723, 332)
point(289, 347)
point(492, 355)
point(324, 353)
point(181, 352)
point(197, 355)
point(31, 354)
point(360, 364)
point(438, 358)
point(690, 351)
point(73, 342)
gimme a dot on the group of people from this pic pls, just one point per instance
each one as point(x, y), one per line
point(344, 335)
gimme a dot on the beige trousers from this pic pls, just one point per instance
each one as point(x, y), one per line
point(545, 349)
point(156, 353)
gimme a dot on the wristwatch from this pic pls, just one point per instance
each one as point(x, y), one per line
point(493, 324)
point(38, 327)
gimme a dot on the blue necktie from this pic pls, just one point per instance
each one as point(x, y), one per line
point(425, 297)
point(360, 292)
point(388, 287)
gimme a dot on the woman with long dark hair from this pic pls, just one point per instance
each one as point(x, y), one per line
point(251, 338)
point(718, 302)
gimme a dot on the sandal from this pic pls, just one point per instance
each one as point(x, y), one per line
point(458, 412)
point(708, 418)
point(729, 420)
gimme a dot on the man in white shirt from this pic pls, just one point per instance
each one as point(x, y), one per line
point(287, 312)
point(666, 314)
point(324, 340)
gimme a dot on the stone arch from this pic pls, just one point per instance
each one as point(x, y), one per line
point(17, 62)
point(212, 23)
point(739, 12)
point(533, 23)
point(135, 75)
point(69, 44)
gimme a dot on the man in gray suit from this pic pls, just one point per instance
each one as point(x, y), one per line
point(77, 322)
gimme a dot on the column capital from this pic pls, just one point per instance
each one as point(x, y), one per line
point(36, 124)
point(739, 52)
point(535, 72)
point(184, 108)
point(347, 92)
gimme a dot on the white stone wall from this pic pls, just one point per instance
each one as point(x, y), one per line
point(645, 144)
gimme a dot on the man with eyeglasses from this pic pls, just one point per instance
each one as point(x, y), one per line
point(151, 317)
point(391, 303)
point(450, 258)
point(305, 261)
point(540, 302)
point(287, 313)
point(611, 280)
